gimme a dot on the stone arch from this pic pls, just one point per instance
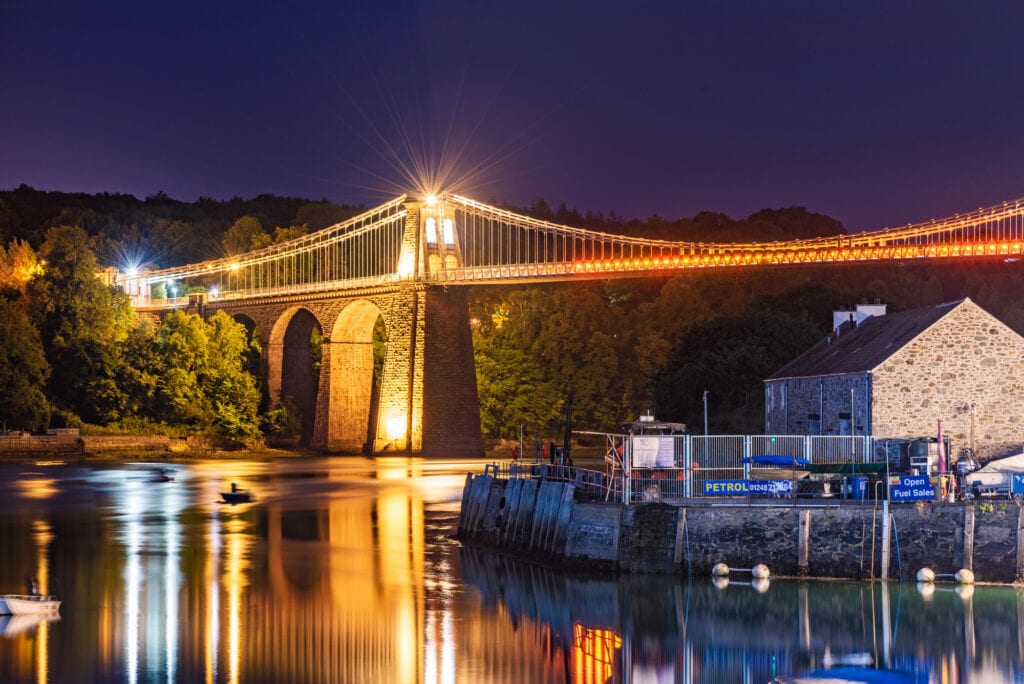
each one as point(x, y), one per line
point(351, 414)
point(292, 369)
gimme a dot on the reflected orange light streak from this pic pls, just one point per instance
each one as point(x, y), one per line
point(212, 604)
point(593, 654)
point(40, 488)
point(43, 535)
point(235, 579)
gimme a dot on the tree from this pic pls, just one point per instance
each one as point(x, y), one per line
point(245, 235)
point(289, 233)
point(82, 324)
point(203, 381)
point(513, 391)
point(731, 357)
point(18, 265)
point(561, 339)
point(23, 371)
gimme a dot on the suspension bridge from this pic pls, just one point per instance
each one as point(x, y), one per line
point(456, 240)
point(406, 261)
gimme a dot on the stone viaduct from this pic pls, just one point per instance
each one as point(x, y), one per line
point(428, 399)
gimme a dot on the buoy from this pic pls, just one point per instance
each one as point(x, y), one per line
point(760, 571)
point(964, 576)
point(926, 575)
point(720, 570)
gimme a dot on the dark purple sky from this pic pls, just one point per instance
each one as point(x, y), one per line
point(877, 113)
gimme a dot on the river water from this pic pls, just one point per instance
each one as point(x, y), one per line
point(343, 570)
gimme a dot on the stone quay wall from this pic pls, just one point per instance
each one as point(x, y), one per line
point(547, 521)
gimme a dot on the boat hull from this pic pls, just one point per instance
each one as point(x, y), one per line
point(22, 604)
point(236, 497)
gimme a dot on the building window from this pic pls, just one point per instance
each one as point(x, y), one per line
point(845, 424)
point(813, 424)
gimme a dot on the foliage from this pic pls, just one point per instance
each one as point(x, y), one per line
point(18, 265)
point(202, 377)
point(23, 371)
point(316, 348)
point(730, 357)
point(513, 392)
point(82, 324)
point(158, 229)
point(380, 345)
point(245, 235)
point(289, 233)
point(284, 420)
point(543, 343)
point(135, 425)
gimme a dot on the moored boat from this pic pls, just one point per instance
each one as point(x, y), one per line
point(236, 495)
point(28, 604)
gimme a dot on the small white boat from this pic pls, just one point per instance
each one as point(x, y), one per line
point(28, 604)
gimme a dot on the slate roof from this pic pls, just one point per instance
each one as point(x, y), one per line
point(864, 348)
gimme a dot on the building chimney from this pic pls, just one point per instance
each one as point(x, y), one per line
point(857, 315)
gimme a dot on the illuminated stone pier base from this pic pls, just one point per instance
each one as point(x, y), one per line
point(427, 404)
point(428, 391)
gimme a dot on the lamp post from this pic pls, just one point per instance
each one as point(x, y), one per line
point(705, 398)
point(853, 414)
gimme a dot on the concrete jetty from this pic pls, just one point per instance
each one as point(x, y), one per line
point(549, 521)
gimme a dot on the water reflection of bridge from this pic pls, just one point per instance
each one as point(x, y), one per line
point(344, 587)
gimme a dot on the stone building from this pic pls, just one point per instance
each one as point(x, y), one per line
point(898, 375)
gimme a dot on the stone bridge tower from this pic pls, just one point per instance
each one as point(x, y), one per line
point(426, 401)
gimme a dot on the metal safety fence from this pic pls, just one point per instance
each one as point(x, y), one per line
point(642, 468)
point(704, 466)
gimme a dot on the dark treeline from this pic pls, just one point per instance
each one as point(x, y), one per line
point(620, 346)
point(162, 230)
point(767, 225)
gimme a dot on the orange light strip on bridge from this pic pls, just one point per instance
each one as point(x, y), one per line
point(789, 256)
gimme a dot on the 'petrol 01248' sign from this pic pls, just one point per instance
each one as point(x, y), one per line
point(747, 487)
point(910, 488)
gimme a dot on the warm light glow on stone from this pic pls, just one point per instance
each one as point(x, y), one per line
point(405, 265)
point(395, 427)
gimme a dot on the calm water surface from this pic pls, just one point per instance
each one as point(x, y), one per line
point(342, 570)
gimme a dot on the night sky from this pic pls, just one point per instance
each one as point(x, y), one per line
point(876, 113)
